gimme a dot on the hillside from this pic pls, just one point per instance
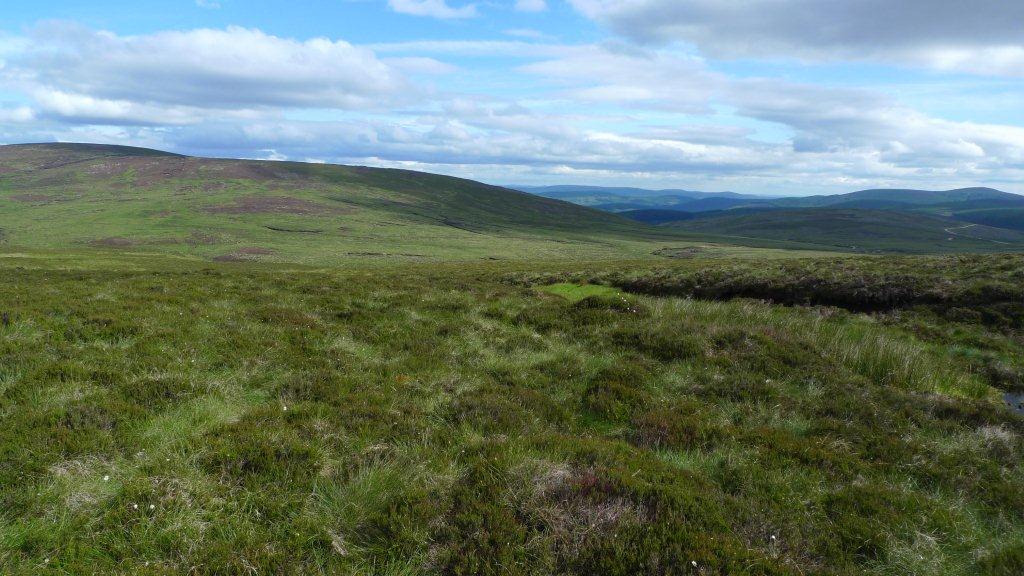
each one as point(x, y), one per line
point(59, 196)
point(1010, 218)
point(657, 216)
point(857, 230)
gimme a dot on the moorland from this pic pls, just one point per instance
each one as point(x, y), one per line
point(240, 367)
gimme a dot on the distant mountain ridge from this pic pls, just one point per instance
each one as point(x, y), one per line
point(977, 205)
point(855, 230)
point(873, 220)
point(571, 191)
point(904, 196)
point(620, 199)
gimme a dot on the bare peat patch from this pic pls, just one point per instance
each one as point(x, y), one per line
point(247, 254)
point(112, 242)
point(688, 252)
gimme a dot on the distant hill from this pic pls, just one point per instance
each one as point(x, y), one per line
point(898, 197)
point(620, 199)
point(695, 201)
point(856, 230)
point(569, 191)
point(122, 198)
point(977, 205)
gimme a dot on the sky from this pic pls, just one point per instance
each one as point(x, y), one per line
point(760, 96)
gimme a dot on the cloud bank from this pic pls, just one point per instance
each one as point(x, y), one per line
point(611, 111)
point(984, 36)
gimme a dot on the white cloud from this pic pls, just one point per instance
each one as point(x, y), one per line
point(992, 61)
point(206, 69)
point(79, 108)
point(619, 74)
point(840, 121)
point(613, 112)
point(531, 5)
point(420, 65)
point(984, 36)
point(470, 48)
point(17, 114)
point(433, 9)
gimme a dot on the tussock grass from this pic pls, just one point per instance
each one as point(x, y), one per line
point(577, 292)
point(243, 419)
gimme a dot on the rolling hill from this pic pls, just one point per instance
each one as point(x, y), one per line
point(884, 219)
point(165, 414)
point(93, 196)
point(620, 199)
point(856, 230)
point(906, 199)
point(115, 198)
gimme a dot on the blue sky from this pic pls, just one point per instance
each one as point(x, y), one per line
point(772, 96)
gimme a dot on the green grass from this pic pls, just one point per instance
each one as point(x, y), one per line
point(165, 416)
point(576, 292)
point(365, 389)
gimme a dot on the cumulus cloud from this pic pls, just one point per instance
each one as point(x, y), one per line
point(939, 33)
point(612, 111)
point(86, 109)
point(420, 65)
point(842, 121)
point(202, 69)
point(17, 114)
point(433, 9)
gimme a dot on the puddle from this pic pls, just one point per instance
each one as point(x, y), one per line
point(1015, 400)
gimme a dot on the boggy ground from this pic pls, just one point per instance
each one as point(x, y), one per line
point(169, 418)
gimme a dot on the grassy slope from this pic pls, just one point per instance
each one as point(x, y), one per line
point(858, 230)
point(164, 417)
point(67, 196)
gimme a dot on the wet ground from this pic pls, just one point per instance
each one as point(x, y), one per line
point(1015, 400)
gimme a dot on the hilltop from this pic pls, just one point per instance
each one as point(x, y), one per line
point(58, 196)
